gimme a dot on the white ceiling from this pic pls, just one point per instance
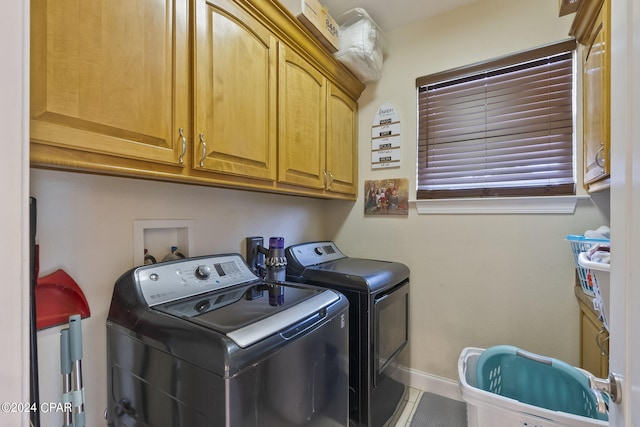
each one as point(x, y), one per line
point(390, 14)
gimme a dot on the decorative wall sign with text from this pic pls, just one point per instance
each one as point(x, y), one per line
point(385, 138)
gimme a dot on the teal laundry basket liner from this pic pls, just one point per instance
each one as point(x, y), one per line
point(536, 380)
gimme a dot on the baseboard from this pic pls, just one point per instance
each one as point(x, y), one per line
point(427, 382)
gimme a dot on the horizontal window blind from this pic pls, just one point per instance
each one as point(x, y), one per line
point(501, 128)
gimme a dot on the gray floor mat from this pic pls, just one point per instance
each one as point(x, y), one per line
point(438, 411)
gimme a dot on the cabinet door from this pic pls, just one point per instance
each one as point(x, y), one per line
point(596, 100)
point(594, 342)
point(235, 92)
point(342, 142)
point(302, 103)
point(110, 77)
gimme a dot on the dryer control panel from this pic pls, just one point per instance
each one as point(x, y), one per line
point(169, 281)
point(313, 253)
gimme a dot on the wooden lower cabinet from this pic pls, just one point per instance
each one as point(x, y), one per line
point(229, 93)
point(594, 342)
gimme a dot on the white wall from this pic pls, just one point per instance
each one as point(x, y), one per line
point(85, 226)
point(477, 280)
point(14, 228)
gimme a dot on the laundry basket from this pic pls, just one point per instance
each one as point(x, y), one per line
point(507, 387)
point(600, 271)
point(583, 244)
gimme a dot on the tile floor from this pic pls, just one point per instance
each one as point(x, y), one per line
point(404, 415)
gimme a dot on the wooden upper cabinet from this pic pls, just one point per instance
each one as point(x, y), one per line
point(235, 100)
point(342, 145)
point(302, 103)
point(596, 83)
point(230, 93)
point(591, 28)
point(109, 77)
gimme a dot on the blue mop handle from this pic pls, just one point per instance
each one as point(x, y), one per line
point(75, 353)
point(65, 369)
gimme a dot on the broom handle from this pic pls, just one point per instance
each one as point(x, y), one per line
point(75, 353)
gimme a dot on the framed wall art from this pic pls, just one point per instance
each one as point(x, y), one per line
point(387, 197)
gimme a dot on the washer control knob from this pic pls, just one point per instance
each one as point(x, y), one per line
point(317, 250)
point(202, 272)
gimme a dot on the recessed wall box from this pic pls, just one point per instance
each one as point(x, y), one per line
point(157, 236)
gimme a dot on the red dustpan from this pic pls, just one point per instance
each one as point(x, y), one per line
point(58, 296)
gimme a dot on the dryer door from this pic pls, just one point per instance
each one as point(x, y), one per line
point(391, 329)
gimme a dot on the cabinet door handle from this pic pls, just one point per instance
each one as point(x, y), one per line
point(203, 143)
point(605, 352)
point(330, 181)
point(184, 146)
point(600, 156)
point(601, 342)
point(324, 177)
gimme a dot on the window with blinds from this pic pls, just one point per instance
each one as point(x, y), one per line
point(498, 129)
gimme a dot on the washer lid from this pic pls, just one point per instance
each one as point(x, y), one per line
point(245, 314)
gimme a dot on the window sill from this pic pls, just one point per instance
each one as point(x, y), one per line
point(500, 205)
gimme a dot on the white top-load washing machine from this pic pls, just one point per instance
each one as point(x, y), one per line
point(197, 343)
